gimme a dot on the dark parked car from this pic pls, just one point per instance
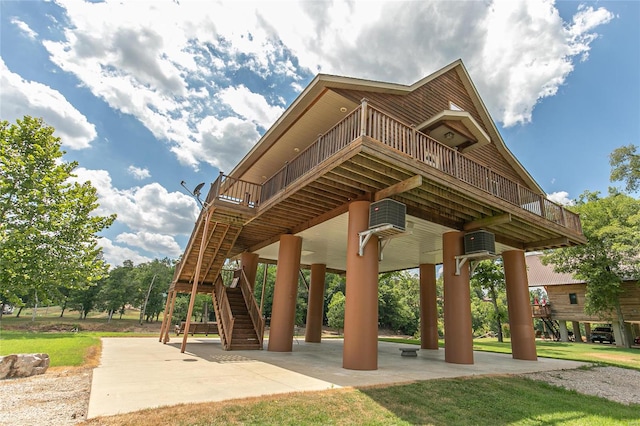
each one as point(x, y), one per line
point(636, 341)
point(602, 334)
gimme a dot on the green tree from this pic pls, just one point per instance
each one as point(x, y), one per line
point(399, 301)
point(625, 166)
point(48, 232)
point(334, 283)
point(335, 313)
point(488, 278)
point(83, 300)
point(610, 256)
point(118, 290)
point(304, 278)
point(152, 279)
point(266, 287)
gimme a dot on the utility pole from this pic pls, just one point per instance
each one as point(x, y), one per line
point(146, 299)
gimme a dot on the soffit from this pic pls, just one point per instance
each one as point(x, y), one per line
point(328, 109)
point(326, 243)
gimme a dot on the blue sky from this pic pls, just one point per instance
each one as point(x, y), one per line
point(146, 94)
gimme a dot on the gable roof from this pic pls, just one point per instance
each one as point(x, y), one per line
point(543, 275)
point(310, 99)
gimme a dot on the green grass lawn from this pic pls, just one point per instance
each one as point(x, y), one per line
point(69, 341)
point(64, 349)
point(460, 401)
point(597, 353)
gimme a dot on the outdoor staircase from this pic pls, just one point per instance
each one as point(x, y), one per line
point(244, 335)
point(553, 327)
point(240, 323)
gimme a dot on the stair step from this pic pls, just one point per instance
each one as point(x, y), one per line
point(245, 347)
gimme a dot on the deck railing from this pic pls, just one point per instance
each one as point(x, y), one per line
point(340, 136)
point(369, 121)
point(224, 316)
point(257, 319)
point(235, 191)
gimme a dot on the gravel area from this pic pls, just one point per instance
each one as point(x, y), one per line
point(617, 384)
point(60, 397)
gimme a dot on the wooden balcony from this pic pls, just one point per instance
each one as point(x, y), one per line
point(541, 311)
point(367, 121)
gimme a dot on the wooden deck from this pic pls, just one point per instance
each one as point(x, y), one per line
point(365, 153)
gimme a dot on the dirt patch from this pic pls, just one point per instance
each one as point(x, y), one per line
point(69, 326)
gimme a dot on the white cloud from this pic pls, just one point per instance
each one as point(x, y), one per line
point(561, 197)
point(155, 216)
point(223, 142)
point(148, 208)
point(528, 53)
point(21, 97)
point(251, 106)
point(173, 65)
point(116, 255)
point(159, 244)
point(138, 173)
point(24, 27)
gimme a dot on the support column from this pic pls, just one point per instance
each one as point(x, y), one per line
point(196, 277)
point(360, 350)
point(576, 331)
point(168, 314)
point(285, 294)
point(428, 307)
point(564, 334)
point(617, 333)
point(458, 333)
point(587, 331)
point(315, 304)
point(249, 262)
point(523, 342)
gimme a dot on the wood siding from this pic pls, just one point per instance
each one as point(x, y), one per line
point(430, 99)
point(562, 309)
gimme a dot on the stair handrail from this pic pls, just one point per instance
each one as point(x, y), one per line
point(223, 313)
point(257, 319)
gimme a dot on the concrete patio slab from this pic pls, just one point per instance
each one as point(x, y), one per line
point(139, 373)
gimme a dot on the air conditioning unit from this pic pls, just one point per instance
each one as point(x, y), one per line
point(387, 212)
point(479, 241)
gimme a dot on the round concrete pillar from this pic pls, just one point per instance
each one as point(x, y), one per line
point(428, 307)
point(360, 351)
point(249, 262)
point(315, 304)
point(523, 341)
point(285, 295)
point(458, 333)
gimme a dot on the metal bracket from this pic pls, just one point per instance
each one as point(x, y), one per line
point(384, 234)
point(474, 259)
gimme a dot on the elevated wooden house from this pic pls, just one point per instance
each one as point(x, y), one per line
point(566, 298)
point(302, 198)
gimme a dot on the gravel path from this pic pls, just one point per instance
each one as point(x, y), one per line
point(61, 396)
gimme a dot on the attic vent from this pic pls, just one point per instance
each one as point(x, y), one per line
point(479, 241)
point(454, 107)
point(387, 212)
